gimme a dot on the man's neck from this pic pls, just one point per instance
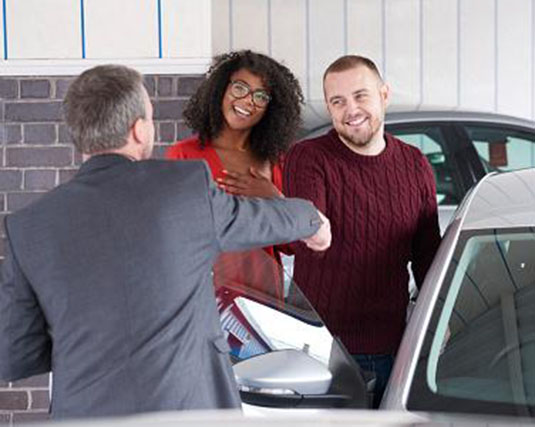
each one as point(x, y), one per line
point(123, 151)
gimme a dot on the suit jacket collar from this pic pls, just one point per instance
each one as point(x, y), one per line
point(102, 161)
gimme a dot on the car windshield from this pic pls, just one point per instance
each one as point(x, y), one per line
point(479, 355)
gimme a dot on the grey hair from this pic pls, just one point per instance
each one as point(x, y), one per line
point(101, 105)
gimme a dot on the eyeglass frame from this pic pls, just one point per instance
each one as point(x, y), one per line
point(251, 92)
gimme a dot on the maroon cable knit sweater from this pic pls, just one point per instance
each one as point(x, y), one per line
point(383, 214)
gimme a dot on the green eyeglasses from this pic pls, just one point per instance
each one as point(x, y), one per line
point(240, 90)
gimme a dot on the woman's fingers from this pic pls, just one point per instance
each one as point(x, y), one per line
point(241, 182)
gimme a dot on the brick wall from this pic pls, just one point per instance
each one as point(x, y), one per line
point(36, 155)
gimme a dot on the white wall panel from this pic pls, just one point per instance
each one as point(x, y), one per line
point(221, 30)
point(440, 53)
point(40, 29)
point(477, 55)
point(326, 40)
point(186, 28)
point(117, 29)
point(249, 25)
point(365, 29)
point(514, 60)
point(288, 36)
point(532, 38)
point(402, 50)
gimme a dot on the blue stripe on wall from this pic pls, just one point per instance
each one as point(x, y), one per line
point(82, 26)
point(5, 28)
point(159, 28)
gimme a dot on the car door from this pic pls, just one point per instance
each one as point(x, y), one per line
point(282, 353)
point(478, 352)
point(469, 346)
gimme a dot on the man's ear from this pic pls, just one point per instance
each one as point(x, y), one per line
point(139, 130)
point(385, 92)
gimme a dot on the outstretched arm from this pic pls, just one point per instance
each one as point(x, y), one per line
point(245, 223)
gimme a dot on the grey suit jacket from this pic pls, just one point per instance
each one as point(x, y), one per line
point(107, 282)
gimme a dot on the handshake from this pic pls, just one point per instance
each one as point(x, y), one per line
point(321, 240)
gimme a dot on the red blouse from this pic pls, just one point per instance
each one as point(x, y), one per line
point(248, 271)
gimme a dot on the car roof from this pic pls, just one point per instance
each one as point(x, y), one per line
point(317, 122)
point(501, 200)
point(457, 116)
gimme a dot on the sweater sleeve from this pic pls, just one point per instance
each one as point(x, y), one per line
point(427, 237)
point(304, 177)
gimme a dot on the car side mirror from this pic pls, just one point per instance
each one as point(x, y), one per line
point(286, 378)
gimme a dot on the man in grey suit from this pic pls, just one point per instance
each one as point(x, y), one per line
point(107, 278)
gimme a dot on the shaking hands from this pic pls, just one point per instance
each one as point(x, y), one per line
point(321, 240)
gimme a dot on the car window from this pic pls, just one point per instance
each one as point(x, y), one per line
point(502, 149)
point(480, 351)
point(430, 141)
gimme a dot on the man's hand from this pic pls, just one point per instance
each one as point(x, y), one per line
point(322, 239)
point(252, 184)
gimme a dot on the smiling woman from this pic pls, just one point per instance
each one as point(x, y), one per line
point(245, 114)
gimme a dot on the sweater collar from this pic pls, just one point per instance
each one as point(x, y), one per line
point(347, 153)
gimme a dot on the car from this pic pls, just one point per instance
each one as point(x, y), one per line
point(461, 146)
point(469, 346)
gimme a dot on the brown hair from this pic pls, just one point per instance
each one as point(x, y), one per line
point(348, 62)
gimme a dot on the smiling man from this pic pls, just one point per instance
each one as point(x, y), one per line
point(379, 194)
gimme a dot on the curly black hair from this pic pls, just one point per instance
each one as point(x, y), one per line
point(273, 135)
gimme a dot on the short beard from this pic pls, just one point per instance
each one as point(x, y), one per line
point(356, 142)
point(361, 142)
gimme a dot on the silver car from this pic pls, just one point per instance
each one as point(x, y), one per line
point(469, 346)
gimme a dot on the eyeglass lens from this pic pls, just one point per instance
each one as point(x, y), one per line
point(240, 90)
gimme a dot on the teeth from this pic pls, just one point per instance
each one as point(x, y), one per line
point(356, 122)
point(242, 112)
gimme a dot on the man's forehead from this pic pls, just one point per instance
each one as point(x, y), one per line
point(352, 80)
